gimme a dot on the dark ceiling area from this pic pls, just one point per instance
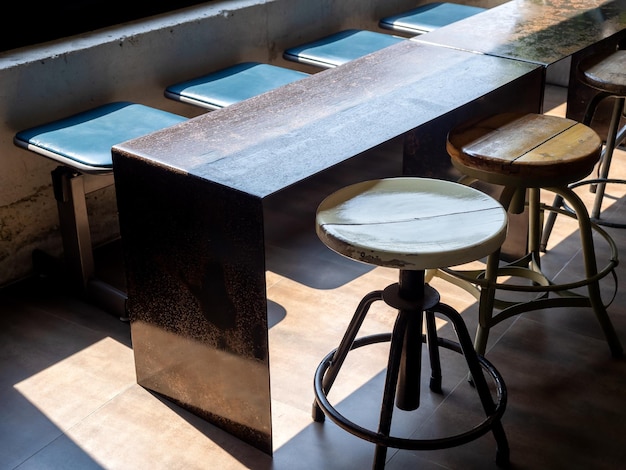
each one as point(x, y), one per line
point(31, 23)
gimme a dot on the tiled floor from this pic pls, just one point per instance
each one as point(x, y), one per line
point(69, 400)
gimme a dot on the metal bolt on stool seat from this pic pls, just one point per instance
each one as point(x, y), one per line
point(412, 224)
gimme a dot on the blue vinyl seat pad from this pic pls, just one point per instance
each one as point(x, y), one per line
point(429, 17)
point(87, 137)
point(340, 48)
point(233, 84)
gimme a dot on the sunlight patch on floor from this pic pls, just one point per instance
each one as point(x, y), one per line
point(69, 390)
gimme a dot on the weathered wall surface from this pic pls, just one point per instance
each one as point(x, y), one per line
point(135, 62)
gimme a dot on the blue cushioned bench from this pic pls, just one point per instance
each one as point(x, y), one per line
point(233, 84)
point(340, 48)
point(81, 145)
point(429, 17)
point(83, 141)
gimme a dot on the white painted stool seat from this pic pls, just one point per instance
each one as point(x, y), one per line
point(411, 223)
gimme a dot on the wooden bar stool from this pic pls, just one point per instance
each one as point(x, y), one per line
point(525, 154)
point(607, 74)
point(339, 48)
point(411, 224)
point(231, 85)
point(81, 145)
point(429, 17)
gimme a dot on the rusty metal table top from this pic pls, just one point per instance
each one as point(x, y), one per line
point(542, 32)
point(271, 141)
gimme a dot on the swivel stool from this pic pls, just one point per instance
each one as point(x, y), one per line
point(523, 154)
point(607, 75)
point(411, 224)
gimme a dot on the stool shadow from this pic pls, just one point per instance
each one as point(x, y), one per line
point(275, 313)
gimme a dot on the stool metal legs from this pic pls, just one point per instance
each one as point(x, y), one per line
point(70, 189)
point(484, 285)
point(69, 192)
point(339, 355)
point(594, 299)
point(414, 301)
point(613, 139)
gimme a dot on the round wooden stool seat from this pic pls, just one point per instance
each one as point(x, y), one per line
point(607, 73)
point(529, 150)
point(411, 223)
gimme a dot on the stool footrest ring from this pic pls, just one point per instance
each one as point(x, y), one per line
point(404, 443)
point(595, 182)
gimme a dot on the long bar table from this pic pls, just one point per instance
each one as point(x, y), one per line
point(191, 197)
point(191, 202)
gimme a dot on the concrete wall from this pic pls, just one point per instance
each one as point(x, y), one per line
point(135, 62)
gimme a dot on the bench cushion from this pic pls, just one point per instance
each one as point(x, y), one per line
point(429, 17)
point(339, 48)
point(233, 84)
point(84, 141)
